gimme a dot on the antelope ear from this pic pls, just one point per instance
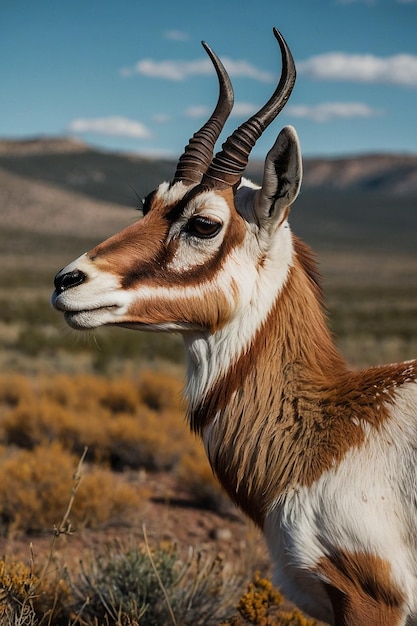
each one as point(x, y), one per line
point(282, 178)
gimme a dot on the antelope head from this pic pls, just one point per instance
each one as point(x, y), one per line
point(212, 250)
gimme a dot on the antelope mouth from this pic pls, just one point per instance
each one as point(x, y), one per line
point(90, 318)
point(87, 317)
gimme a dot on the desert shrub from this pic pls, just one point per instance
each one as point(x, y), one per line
point(105, 498)
point(31, 598)
point(123, 422)
point(78, 391)
point(35, 487)
point(152, 440)
point(262, 605)
point(124, 585)
point(13, 387)
point(87, 391)
point(128, 586)
point(112, 418)
point(148, 440)
point(159, 390)
point(41, 422)
point(16, 602)
point(152, 587)
point(196, 475)
point(121, 396)
point(53, 599)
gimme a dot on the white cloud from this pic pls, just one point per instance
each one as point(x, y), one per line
point(327, 111)
point(197, 111)
point(172, 70)
point(116, 126)
point(180, 70)
point(244, 109)
point(176, 35)
point(161, 118)
point(247, 70)
point(400, 69)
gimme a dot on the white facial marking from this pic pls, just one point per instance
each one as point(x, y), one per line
point(210, 356)
point(171, 194)
point(96, 302)
point(102, 300)
point(191, 250)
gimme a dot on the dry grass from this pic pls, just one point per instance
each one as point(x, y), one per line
point(196, 475)
point(124, 584)
point(119, 585)
point(35, 486)
point(262, 605)
point(124, 423)
point(129, 423)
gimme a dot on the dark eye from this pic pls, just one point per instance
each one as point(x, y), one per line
point(203, 227)
point(147, 203)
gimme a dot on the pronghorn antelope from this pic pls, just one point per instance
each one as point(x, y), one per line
point(320, 457)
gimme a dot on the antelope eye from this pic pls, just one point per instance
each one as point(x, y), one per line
point(147, 203)
point(203, 227)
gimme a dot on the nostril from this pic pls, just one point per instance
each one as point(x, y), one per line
point(66, 281)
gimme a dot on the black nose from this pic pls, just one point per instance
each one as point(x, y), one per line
point(63, 282)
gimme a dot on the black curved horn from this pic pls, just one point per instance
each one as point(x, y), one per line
point(199, 152)
point(228, 165)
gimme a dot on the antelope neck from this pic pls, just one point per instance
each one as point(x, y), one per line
point(263, 419)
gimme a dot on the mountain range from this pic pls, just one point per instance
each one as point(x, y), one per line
point(60, 185)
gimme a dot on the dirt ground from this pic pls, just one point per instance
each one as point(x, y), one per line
point(171, 515)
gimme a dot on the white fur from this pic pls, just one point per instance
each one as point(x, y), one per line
point(377, 513)
point(208, 355)
point(171, 194)
point(101, 303)
point(211, 355)
point(192, 251)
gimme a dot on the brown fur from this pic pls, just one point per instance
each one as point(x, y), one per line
point(289, 409)
point(211, 313)
point(361, 590)
point(138, 245)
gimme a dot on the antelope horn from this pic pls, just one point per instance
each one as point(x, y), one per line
point(199, 152)
point(228, 165)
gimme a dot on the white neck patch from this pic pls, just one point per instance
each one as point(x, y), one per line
point(211, 355)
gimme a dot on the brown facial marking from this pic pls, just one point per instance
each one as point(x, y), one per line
point(361, 590)
point(139, 243)
point(210, 313)
point(140, 256)
point(286, 408)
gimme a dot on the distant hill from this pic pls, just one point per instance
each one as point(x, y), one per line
point(109, 176)
point(51, 185)
point(380, 173)
point(40, 145)
point(74, 166)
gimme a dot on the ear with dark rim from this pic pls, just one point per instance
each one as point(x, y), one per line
point(282, 178)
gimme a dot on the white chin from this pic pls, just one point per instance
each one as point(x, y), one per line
point(80, 321)
point(85, 320)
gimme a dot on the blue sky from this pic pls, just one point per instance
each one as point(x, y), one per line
point(131, 75)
